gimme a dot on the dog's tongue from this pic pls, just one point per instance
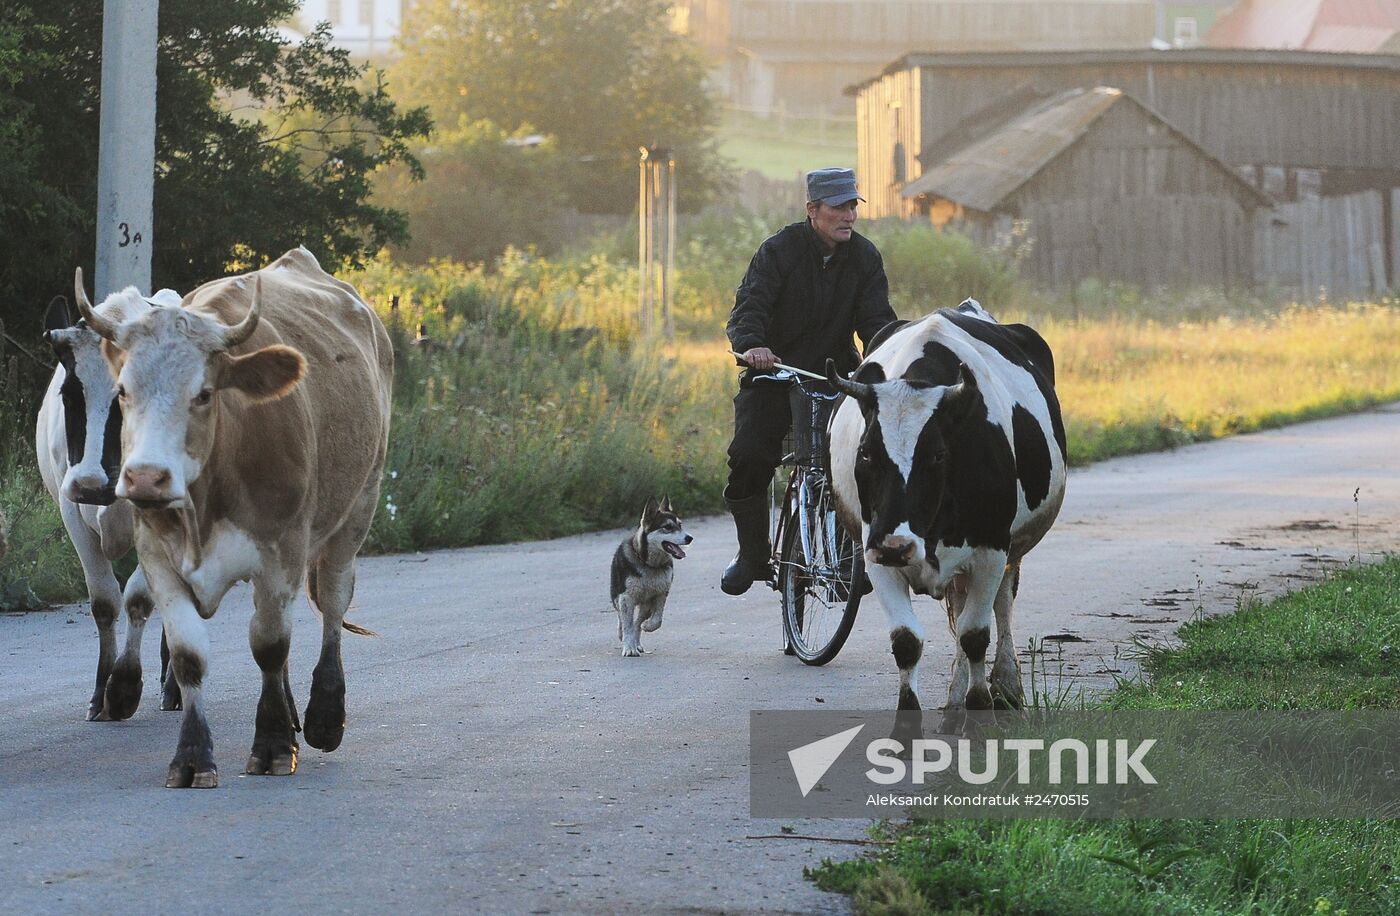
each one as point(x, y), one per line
point(673, 549)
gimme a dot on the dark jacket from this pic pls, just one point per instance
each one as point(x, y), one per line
point(805, 312)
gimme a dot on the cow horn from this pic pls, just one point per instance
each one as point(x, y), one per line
point(858, 390)
point(244, 329)
point(98, 324)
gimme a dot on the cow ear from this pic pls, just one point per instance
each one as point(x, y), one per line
point(960, 397)
point(266, 374)
point(58, 317)
point(115, 356)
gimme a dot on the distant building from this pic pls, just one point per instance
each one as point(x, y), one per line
point(1109, 188)
point(365, 28)
point(1356, 26)
point(798, 54)
point(1157, 167)
point(1185, 24)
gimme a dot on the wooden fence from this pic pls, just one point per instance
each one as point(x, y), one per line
point(1331, 245)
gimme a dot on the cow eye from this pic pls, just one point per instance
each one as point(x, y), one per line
point(204, 397)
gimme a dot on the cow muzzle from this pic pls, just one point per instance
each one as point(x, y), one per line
point(150, 486)
point(893, 551)
point(90, 488)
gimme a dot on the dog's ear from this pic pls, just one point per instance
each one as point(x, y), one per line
point(666, 503)
point(648, 509)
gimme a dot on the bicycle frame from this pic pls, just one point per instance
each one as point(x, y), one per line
point(817, 585)
point(807, 481)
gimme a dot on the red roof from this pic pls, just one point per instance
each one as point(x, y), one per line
point(1360, 26)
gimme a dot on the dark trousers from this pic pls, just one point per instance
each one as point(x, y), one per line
point(761, 420)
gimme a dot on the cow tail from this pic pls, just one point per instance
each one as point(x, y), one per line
point(357, 629)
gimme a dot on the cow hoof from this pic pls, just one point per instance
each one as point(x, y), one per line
point(96, 713)
point(170, 694)
point(182, 776)
point(908, 727)
point(954, 721)
point(123, 693)
point(1004, 701)
point(284, 764)
point(321, 730)
point(979, 697)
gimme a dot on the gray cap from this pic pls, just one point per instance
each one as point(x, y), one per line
point(833, 187)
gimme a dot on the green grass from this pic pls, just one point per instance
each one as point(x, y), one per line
point(1332, 646)
point(787, 148)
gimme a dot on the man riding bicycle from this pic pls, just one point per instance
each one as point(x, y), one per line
point(808, 289)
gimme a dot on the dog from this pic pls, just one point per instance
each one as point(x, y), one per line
point(642, 571)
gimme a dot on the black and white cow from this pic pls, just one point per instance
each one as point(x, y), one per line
point(948, 461)
point(77, 442)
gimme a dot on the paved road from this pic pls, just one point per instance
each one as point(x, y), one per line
point(501, 756)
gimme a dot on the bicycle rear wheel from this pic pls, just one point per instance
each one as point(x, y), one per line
point(819, 580)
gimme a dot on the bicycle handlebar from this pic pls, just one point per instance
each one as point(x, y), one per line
point(792, 369)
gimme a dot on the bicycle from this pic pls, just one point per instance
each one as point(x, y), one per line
point(816, 565)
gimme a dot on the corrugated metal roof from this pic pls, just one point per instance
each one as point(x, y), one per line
point(985, 172)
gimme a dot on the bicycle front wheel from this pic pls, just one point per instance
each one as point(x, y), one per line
point(820, 578)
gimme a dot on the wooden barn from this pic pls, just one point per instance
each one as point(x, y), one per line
point(1106, 186)
point(1302, 127)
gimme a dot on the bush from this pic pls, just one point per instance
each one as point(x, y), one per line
point(929, 269)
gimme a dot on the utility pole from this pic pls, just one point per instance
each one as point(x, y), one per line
point(656, 238)
point(126, 152)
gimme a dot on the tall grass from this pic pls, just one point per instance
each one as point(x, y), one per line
point(533, 409)
point(1132, 386)
point(39, 563)
point(532, 412)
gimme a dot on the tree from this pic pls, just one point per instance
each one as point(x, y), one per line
point(261, 144)
point(603, 77)
point(38, 219)
point(485, 190)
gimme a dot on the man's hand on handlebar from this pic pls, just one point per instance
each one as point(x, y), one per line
point(760, 358)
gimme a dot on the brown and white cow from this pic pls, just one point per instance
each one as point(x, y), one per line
point(255, 426)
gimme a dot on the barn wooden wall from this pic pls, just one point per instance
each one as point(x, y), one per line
point(1326, 245)
point(1306, 116)
point(888, 138)
point(1335, 245)
point(1150, 241)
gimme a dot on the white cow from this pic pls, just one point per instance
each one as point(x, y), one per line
point(77, 442)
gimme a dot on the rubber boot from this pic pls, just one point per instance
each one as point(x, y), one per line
point(750, 564)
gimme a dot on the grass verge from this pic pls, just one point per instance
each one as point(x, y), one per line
point(1331, 646)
